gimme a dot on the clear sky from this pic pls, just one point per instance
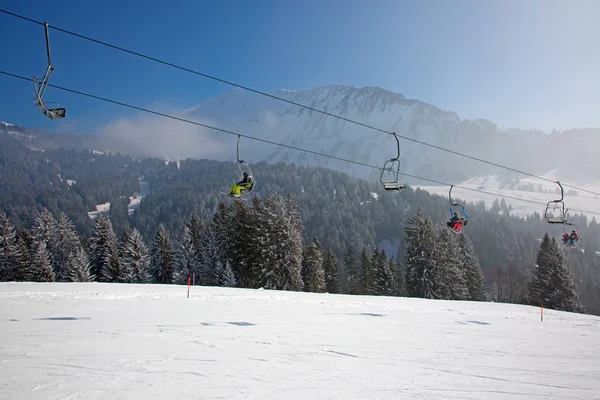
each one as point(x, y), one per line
point(529, 64)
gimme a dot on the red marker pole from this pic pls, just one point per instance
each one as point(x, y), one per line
point(188, 294)
point(542, 313)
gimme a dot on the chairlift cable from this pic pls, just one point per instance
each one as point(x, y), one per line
point(290, 102)
point(278, 144)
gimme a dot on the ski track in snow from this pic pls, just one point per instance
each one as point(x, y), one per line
point(117, 341)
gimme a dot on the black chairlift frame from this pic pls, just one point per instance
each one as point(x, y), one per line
point(41, 86)
point(560, 205)
point(244, 167)
point(464, 212)
point(392, 167)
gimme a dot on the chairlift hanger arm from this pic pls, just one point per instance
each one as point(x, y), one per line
point(450, 197)
point(48, 44)
point(397, 148)
point(562, 193)
point(238, 150)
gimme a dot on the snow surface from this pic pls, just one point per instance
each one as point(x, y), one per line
point(120, 341)
point(100, 209)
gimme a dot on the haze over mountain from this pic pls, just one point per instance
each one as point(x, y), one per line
point(569, 154)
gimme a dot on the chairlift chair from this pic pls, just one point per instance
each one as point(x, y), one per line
point(244, 167)
point(392, 167)
point(464, 212)
point(40, 87)
point(559, 205)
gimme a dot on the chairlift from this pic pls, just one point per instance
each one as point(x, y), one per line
point(554, 205)
point(40, 87)
point(455, 204)
point(391, 169)
point(244, 167)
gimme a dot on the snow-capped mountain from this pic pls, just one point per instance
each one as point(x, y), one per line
point(569, 155)
point(270, 119)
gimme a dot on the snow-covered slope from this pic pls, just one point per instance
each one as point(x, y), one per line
point(528, 191)
point(120, 341)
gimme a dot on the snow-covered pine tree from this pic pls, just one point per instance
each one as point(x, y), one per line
point(26, 248)
point(422, 257)
point(114, 262)
point(472, 268)
point(67, 242)
point(186, 257)
point(330, 265)
point(45, 230)
point(450, 274)
point(136, 259)
point(10, 254)
point(209, 257)
point(399, 277)
point(366, 273)
point(224, 275)
point(162, 259)
point(352, 267)
point(103, 248)
point(313, 272)
point(383, 278)
point(224, 230)
point(234, 228)
point(552, 283)
point(292, 231)
point(41, 267)
point(195, 226)
point(78, 267)
point(277, 241)
point(569, 298)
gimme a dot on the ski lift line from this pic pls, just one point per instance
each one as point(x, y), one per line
point(279, 144)
point(289, 101)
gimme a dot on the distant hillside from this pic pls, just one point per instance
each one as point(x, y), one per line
point(338, 209)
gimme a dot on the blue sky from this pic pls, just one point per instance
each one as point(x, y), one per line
point(518, 63)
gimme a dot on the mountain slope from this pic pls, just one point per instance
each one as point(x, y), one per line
point(98, 341)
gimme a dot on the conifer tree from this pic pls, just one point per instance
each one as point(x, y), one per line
point(422, 257)
point(41, 267)
point(473, 273)
point(224, 275)
point(313, 272)
point(78, 267)
point(399, 276)
point(276, 244)
point(195, 228)
point(103, 249)
point(332, 280)
point(383, 278)
point(10, 254)
point(450, 273)
point(366, 271)
point(66, 242)
point(552, 283)
point(210, 257)
point(162, 259)
point(45, 230)
point(136, 259)
point(186, 257)
point(26, 249)
point(353, 272)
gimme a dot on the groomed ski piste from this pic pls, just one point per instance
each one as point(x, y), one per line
point(125, 341)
